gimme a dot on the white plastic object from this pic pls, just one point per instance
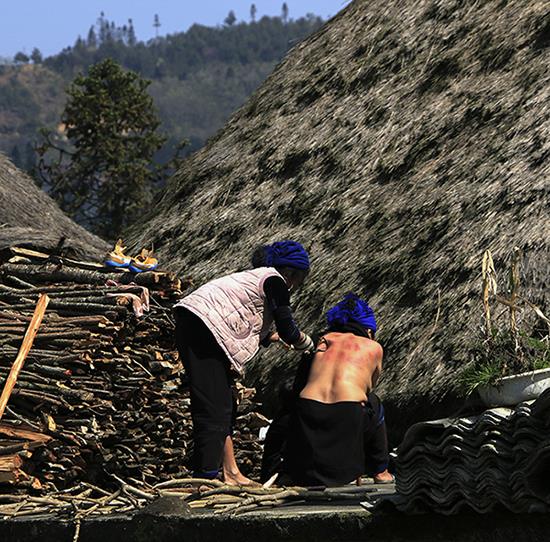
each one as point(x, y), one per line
point(511, 390)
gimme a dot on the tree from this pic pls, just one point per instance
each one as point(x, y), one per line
point(21, 58)
point(132, 40)
point(79, 45)
point(103, 26)
point(253, 12)
point(284, 13)
point(102, 174)
point(113, 32)
point(92, 38)
point(231, 19)
point(156, 24)
point(36, 56)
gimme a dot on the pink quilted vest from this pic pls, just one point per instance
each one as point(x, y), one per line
point(234, 310)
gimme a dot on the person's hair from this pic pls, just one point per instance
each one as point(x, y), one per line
point(259, 259)
point(353, 327)
point(291, 274)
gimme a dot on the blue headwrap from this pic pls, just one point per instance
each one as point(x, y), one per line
point(352, 309)
point(287, 254)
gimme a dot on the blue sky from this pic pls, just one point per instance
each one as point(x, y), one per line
point(54, 24)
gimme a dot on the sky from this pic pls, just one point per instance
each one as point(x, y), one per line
point(52, 25)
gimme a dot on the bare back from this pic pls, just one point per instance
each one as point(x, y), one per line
point(346, 371)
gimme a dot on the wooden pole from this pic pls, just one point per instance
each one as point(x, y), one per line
point(26, 345)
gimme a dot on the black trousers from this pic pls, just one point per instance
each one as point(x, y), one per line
point(213, 408)
point(279, 455)
point(377, 456)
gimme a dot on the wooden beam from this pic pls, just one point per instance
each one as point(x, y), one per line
point(25, 434)
point(26, 345)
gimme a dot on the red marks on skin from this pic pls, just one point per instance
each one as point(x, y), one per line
point(344, 371)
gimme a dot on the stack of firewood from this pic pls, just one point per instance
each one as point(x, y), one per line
point(102, 391)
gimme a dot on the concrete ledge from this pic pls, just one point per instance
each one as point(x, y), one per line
point(301, 524)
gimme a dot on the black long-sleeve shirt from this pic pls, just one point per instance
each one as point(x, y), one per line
point(278, 300)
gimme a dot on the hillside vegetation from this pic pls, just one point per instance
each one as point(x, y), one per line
point(199, 77)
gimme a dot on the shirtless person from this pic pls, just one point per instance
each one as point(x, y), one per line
point(336, 431)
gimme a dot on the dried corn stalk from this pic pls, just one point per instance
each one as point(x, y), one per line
point(489, 286)
point(514, 282)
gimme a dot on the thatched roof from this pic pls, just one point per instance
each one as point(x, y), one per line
point(397, 143)
point(30, 218)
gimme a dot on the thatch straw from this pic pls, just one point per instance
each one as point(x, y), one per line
point(397, 143)
point(30, 218)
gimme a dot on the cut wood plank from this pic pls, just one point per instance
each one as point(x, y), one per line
point(17, 251)
point(23, 351)
point(51, 273)
point(10, 462)
point(41, 256)
point(8, 430)
point(10, 469)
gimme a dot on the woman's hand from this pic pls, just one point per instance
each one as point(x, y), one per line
point(305, 344)
point(274, 337)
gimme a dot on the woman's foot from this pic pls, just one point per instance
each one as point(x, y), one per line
point(238, 479)
point(231, 472)
point(384, 477)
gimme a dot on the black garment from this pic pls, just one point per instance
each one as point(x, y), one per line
point(277, 433)
point(326, 444)
point(210, 380)
point(278, 301)
point(375, 437)
point(275, 442)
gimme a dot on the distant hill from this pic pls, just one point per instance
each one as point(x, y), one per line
point(199, 76)
point(31, 96)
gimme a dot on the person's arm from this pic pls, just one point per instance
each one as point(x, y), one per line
point(278, 300)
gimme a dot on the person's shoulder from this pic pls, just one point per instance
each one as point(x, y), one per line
point(274, 284)
point(370, 345)
point(375, 347)
point(333, 336)
point(273, 277)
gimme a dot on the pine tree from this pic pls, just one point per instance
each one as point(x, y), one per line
point(104, 178)
point(230, 19)
point(253, 12)
point(79, 45)
point(284, 13)
point(132, 40)
point(103, 27)
point(157, 25)
point(91, 40)
point(36, 56)
point(112, 33)
point(21, 58)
